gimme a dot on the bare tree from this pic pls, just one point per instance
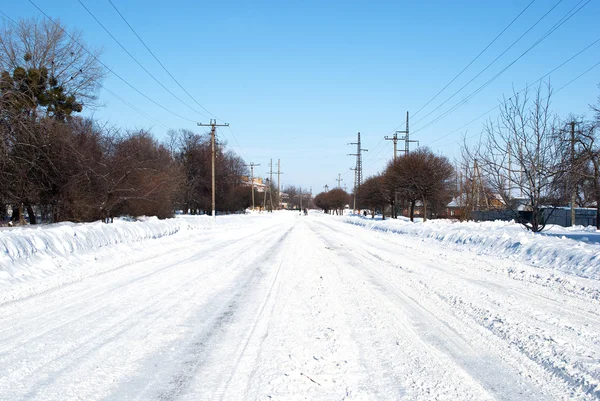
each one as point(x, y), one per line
point(587, 164)
point(372, 194)
point(43, 45)
point(322, 201)
point(520, 153)
point(338, 199)
point(422, 176)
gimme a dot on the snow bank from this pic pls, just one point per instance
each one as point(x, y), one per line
point(60, 240)
point(574, 250)
point(37, 258)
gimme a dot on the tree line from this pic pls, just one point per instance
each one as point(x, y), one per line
point(417, 178)
point(527, 162)
point(57, 166)
point(420, 177)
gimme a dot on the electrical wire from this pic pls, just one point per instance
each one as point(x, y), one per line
point(130, 105)
point(556, 91)
point(475, 59)
point(490, 64)
point(137, 62)
point(522, 90)
point(172, 77)
point(159, 62)
point(369, 156)
point(472, 94)
point(134, 108)
point(108, 68)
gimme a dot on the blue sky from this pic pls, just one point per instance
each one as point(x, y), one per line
point(297, 80)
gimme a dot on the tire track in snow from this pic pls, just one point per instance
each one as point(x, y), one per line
point(43, 310)
point(203, 347)
point(136, 258)
point(61, 357)
point(451, 348)
point(561, 341)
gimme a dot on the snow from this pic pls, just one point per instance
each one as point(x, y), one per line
point(573, 250)
point(36, 258)
point(290, 307)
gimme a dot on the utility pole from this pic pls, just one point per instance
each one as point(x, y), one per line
point(395, 139)
point(354, 200)
point(509, 170)
point(406, 137)
point(213, 128)
point(358, 169)
point(475, 187)
point(339, 180)
point(265, 197)
point(252, 165)
point(278, 183)
point(573, 185)
point(479, 190)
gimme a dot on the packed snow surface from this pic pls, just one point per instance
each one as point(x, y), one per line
point(289, 307)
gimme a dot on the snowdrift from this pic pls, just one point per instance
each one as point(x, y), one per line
point(36, 258)
point(63, 239)
point(33, 259)
point(573, 250)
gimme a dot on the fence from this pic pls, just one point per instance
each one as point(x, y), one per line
point(560, 216)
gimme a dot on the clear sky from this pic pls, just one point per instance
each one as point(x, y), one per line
point(298, 80)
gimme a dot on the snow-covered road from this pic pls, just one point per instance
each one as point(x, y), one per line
point(289, 307)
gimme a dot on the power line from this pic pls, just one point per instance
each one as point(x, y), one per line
point(472, 61)
point(107, 67)
point(522, 90)
point(137, 62)
point(556, 91)
point(372, 152)
point(134, 107)
point(236, 141)
point(158, 61)
point(577, 77)
point(490, 64)
point(472, 94)
point(172, 77)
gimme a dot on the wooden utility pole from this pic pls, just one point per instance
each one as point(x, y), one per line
point(339, 180)
point(509, 171)
point(252, 165)
point(479, 189)
point(213, 128)
point(278, 183)
point(270, 180)
point(265, 197)
point(573, 183)
point(354, 192)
